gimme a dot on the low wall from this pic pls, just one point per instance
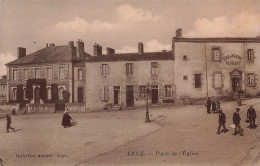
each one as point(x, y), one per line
point(6, 108)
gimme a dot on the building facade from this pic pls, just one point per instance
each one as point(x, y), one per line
point(206, 67)
point(3, 89)
point(56, 64)
point(121, 79)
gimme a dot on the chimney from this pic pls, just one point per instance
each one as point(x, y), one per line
point(51, 44)
point(140, 48)
point(110, 51)
point(71, 43)
point(21, 52)
point(47, 45)
point(97, 49)
point(179, 33)
point(80, 48)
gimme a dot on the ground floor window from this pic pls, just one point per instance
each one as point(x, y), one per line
point(168, 90)
point(251, 79)
point(142, 92)
point(14, 93)
point(197, 80)
point(49, 93)
point(61, 89)
point(217, 80)
point(104, 93)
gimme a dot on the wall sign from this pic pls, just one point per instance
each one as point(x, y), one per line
point(232, 59)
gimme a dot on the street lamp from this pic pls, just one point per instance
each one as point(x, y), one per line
point(147, 119)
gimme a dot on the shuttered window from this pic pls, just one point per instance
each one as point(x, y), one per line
point(197, 80)
point(218, 80)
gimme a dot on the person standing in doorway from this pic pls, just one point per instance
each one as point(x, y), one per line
point(221, 121)
point(251, 115)
point(236, 121)
point(208, 105)
point(9, 121)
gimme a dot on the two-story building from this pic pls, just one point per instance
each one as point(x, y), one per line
point(206, 67)
point(121, 79)
point(60, 65)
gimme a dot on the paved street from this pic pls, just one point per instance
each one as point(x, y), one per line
point(178, 135)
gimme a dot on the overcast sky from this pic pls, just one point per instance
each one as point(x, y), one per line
point(120, 24)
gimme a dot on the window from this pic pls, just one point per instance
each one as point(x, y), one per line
point(61, 72)
point(251, 79)
point(129, 69)
point(61, 89)
point(142, 92)
point(49, 72)
point(218, 80)
point(154, 68)
point(104, 93)
point(197, 80)
point(104, 70)
point(185, 77)
point(168, 90)
point(25, 71)
point(250, 54)
point(37, 73)
point(48, 93)
point(14, 93)
point(80, 74)
point(4, 87)
point(14, 74)
point(185, 57)
point(216, 54)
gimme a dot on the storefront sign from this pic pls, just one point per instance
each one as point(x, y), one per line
point(232, 59)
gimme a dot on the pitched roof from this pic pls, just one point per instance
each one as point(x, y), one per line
point(218, 40)
point(50, 54)
point(132, 57)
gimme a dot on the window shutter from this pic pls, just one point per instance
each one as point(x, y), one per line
point(102, 94)
point(253, 56)
point(136, 92)
point(173, 90)
point(110, 92)
point(161, 92)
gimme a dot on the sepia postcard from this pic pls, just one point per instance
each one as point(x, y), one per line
point(129, 82)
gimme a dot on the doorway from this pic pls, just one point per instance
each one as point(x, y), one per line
point(37, 95)
point(155, 98)
point(129, 96)
point(236, 84)
point(80, 95)
point(116, 94)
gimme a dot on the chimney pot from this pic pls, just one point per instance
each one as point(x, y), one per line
point(97, 49)
point(140, 48)
point(179, 33)
point(80, 48)
point(110, 51)
point(47, 45)
point(71, 43)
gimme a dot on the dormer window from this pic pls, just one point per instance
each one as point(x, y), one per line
point(216, 56)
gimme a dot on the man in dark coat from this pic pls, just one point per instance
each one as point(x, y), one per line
point(221, 121)
point(9, 121)
point(251, 115)
point(66, 119)
point(214, 106)
point(236, 121)
point(208, 105)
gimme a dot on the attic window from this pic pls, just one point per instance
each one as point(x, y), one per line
point(185, 57)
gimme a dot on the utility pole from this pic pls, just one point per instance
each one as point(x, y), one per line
point(147, 119)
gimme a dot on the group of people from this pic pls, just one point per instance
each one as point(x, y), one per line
point(251, 116)
point(215, 104)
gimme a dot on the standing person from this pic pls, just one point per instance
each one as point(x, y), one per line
point(251, 115)
point(9, 121)
point(214, 106)
point(66, 119)
point(208, 105)
point(236, 121)
point(221, 121)
point(239, 103)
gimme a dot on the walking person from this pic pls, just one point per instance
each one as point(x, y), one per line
point(239, 103)
point(236, 121)
point(208, 105)
point(251, 115)
point(8, 125)
point(221, 121)
point(214, 106)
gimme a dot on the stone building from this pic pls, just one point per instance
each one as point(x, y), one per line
point(3, 89)
point(206, 67)
point(59, 65)
point(121, 79)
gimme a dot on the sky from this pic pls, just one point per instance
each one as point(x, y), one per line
point(120, 24)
